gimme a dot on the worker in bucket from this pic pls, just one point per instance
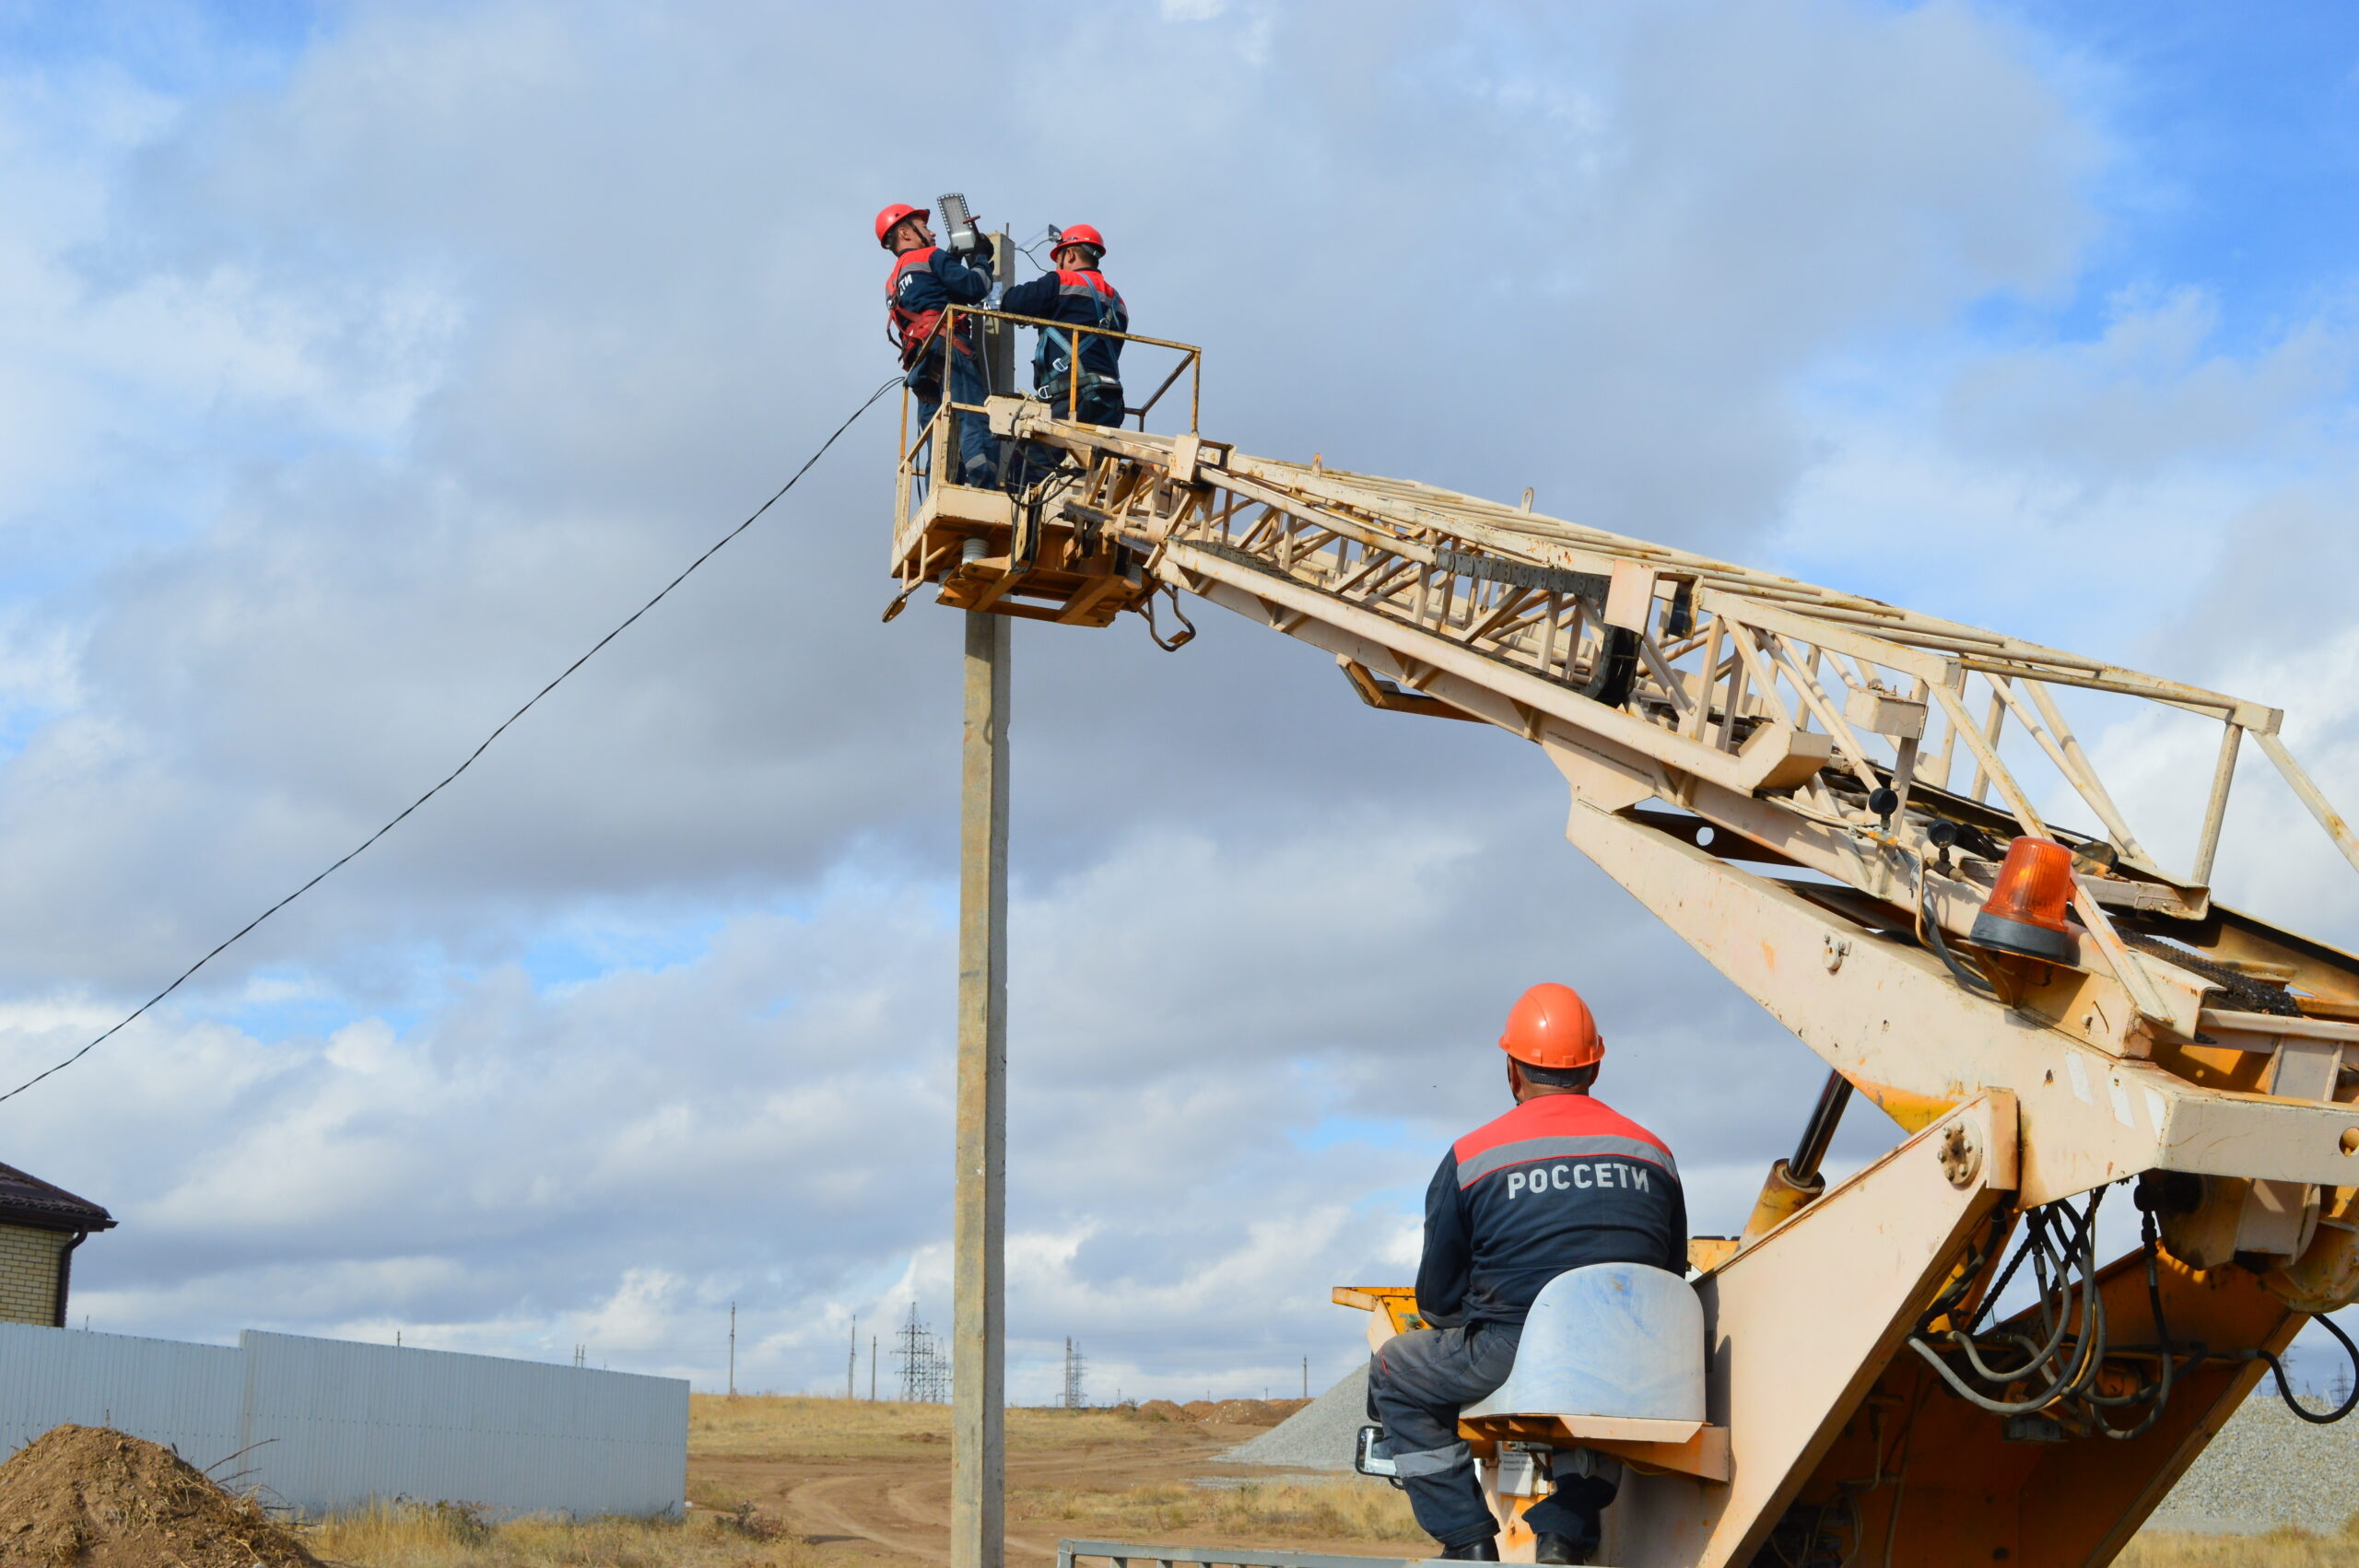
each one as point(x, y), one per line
point(1076, 293)
point(925, 281)
point(1559, 1182)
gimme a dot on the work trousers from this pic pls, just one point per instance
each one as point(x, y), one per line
point(1417, 1385)
point(977, 453)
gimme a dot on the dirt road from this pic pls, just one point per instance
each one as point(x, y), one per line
point(870, 1483)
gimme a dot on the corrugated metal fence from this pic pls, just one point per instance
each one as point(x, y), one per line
point(326, 1425)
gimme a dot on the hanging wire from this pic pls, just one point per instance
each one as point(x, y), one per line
point(452, 777)
point(1030, 248)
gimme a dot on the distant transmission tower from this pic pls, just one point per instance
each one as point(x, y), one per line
point(1075, 1364)
point(925, 1375)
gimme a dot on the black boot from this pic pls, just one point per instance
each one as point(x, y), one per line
point(1567, 1525)
point(1553, 1549)
point(1484, 1550)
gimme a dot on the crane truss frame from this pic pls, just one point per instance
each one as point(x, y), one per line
point(1772, 768)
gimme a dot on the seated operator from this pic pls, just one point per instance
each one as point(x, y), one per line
point(1076, 293)
point(1559, 1182)
point(925, 281)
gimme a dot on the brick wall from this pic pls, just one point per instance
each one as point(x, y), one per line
point(29, 1274)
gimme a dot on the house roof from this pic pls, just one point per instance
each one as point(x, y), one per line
point(28, 1200)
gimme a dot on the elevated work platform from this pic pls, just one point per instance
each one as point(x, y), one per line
point(1820, 793)
point(1042, 559)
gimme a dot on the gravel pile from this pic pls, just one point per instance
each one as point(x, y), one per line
point(1320, 1436)
point(2267, 1470)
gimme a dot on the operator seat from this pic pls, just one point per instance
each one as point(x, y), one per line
point(1612, 1350)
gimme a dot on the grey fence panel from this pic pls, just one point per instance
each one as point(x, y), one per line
point(325, 1424)
point(180, 1395)
point(334, 1423)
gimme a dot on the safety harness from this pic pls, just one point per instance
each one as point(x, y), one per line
point(1054, 362)
point(911, 331)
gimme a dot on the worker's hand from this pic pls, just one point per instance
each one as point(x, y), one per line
point(985, 252)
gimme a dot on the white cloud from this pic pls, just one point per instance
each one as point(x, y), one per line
point(353, 403)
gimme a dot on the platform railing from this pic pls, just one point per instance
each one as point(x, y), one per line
point(917, 447)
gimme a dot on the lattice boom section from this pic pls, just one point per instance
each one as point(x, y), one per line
point(1894, 752)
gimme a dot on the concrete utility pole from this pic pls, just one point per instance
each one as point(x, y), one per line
point(733, 1350)
point(979, 1281)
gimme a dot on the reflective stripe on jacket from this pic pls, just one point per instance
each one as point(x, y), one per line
point(923, 282)
point(1559, 1182)
point(1081, 299)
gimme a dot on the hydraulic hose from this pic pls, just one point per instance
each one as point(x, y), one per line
point(2081, 1259)
point(2285, 1389)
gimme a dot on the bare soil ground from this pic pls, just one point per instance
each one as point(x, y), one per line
point(99, 1498)
point(870, 1483)
point(813, 1483)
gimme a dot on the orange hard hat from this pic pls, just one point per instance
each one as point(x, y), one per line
point(891, 217)
point(1550, 1026)
point(1080, 234)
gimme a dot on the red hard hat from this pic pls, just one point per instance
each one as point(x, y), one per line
point(1080, 234)
point(888, 220)
point(1550, 1026)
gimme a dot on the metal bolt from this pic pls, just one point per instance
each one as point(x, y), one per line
point(1961, 1156)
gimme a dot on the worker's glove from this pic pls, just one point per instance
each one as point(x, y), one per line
point(984, 252)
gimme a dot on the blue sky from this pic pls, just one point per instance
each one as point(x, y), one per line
point(366, 362)
point(2241, 127)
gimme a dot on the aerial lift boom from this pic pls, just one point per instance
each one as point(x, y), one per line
point(1818, 791)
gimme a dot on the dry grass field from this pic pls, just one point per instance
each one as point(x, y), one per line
point(2279, 1549)
point(776, 1482)
point(406, 1537)
point(830, 1484)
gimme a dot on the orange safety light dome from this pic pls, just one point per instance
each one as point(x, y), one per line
point(1550, 1026)
point(2024, 913)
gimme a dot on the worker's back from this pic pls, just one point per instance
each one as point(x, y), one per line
point(1559, 1182)
point(1082, 370)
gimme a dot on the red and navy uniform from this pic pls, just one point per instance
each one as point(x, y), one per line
point(923, 282)
point(1557, 1183)
point(1083, 299)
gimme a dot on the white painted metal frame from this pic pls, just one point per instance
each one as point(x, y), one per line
point(1740, 698)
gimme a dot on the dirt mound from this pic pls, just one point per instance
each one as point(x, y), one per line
point(84, 1496)
point(1222, 1412)
point(1249, 1413)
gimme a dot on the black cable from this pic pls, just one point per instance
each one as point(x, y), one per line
point(2159, 1392)
point(400, 816)
point(1990, 1297)
point(2285, 1389)
point(1929, 933)
point(2085, 1356)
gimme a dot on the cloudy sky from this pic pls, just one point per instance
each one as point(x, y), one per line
point(360, 364)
